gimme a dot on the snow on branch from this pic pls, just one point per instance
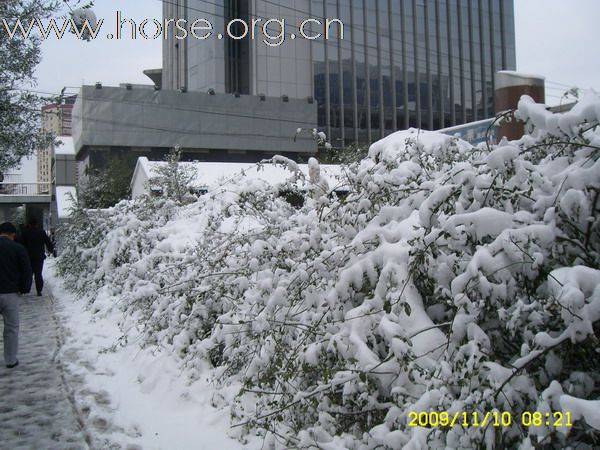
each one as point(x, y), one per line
point(451, 279)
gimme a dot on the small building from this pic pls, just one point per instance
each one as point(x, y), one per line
point(212, 175)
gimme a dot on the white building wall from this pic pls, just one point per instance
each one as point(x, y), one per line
point(199, 65)
point(206, 58)
point(284, 69)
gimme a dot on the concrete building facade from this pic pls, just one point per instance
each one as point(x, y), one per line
point(423, 63)
point(129, 122)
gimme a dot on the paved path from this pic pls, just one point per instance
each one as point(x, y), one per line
point(37, 406)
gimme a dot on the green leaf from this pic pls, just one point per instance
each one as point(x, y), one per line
point(387, 306)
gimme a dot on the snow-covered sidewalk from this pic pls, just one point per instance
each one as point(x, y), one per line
point(78, 387)
point(38, 409)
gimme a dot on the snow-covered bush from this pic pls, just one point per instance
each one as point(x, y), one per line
point(455, 279)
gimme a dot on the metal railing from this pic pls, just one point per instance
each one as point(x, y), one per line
point(25, 189)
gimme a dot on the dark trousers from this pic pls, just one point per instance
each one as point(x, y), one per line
point(37, 265)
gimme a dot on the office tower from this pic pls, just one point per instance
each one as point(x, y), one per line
point(401, 63)
point(56, 119)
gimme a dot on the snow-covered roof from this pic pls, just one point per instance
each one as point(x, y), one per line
point(65, 147)
point(510, 78)
point(64, 200)
point(212, 174)
point(428, 139)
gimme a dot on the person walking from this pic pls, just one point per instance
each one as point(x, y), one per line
point(15, 278)
point(34, 240)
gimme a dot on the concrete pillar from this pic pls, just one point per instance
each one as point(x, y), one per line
point(510, 86)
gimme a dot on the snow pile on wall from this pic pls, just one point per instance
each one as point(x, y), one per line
point(453, 279)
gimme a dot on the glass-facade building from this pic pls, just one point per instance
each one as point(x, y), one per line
point(401, 63)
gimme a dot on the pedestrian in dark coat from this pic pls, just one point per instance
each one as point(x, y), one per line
point(15, 278)
point(34, 240)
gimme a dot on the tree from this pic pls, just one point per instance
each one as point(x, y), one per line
point(348, 155)
point(19, 107)
point(107, 186)
point(173, 180)
point(328, 154)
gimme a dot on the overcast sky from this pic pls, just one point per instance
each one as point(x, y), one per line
point(557, 39)
point(70, 62)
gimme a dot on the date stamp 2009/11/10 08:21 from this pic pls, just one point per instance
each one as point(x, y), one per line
point(490, 418)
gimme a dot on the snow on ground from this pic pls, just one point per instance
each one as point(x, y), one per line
point(36, 408)
point(139, 397)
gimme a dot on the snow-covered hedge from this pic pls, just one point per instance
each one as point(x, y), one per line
point(452, 278)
